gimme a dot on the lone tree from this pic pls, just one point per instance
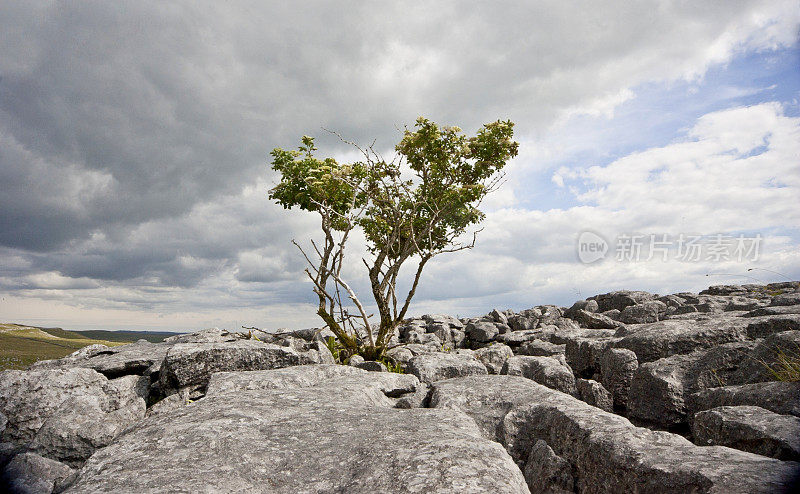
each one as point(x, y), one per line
point(410, 209)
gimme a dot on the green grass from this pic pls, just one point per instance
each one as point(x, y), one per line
point(20, 346)
point(786, 366)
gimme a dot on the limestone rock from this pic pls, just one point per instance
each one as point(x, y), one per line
point(29, 398)
point(779, 397)
point(546, 472)
point(749, 428)
point(29, 473)
point(608, 454)
point(619, 300)
point(765, 359)
point(482, 331)
point(494, 356)
point(430, 368)
point(133, 358)
point(191, 364)
point(659, 389)
point(650, 311)
point(664, 338)
point(324, 438)
point(617, 368)
point(539, 348)
point(548, 371)
point(593, 393)
point(85, 423)
point(594, 320)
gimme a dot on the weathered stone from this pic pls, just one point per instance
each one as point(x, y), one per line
point(487, 399)
point(498, 316)
point(584, 354)
point(548, 371)
point(585, 305)
point(742, 303)
point(29, 473)
point(373, 366)
point(133, 358)
point(594, 320)
point(400, 355)
point(550, 314)
point(334, 437)
point(620, 299)
point(443, 318)
point(424, 338)
point(765, 326)
point(617, 368)
point(191, 364)
point(593, 393)
point(561, 335)
point(664, 338)
point(779, 397)
point(659, 389)
point(430, 368)
point(546, 472)
point(417, 399)
point(769, 358)
point(494, 356)
point(85, 423)
point(608, 454)
point(517, 338)
point(539, 348)
point(482, 331)
point(354, 361)
point(792, 298)
point(527, 319)
point(29, 398)
point(749, 428)
point(650, 311)
point(774, 311)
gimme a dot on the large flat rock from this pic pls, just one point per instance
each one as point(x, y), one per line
point(605, 452)
point(750, 428)
point(192, 364)
point(336, 436)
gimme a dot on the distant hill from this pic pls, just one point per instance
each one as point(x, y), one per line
point(22, 345)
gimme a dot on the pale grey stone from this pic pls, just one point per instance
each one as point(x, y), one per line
point(749, 428)
point(191, 364)
point(779, 397)
point(337, 436)
point(548, 371)
point(432, 367)
point(593, 393)
point(650, 311)
point(617, 368)
point(494, 356)
point(481, 331)
point(546, 472)
point(29, 398)
point(29, 473)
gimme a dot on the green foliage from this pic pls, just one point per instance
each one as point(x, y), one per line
point(786, 365)
point(335, 347)
point(393, 366)
point(403, 216)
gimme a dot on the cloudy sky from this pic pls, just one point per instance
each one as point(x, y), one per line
point(135, 140)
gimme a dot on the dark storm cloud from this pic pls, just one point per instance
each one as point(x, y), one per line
point(128, 129)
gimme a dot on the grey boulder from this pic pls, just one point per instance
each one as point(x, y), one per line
point(434, 367)
point(494, 357)
point(549, 371)
point(337, 436)
point(29, 473)
point(192, 364)
point(749, 428)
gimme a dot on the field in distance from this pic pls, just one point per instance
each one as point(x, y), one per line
point(21, 345)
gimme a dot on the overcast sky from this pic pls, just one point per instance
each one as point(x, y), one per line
point(135, 140)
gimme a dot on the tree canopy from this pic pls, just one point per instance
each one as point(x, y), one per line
point(410, 209)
